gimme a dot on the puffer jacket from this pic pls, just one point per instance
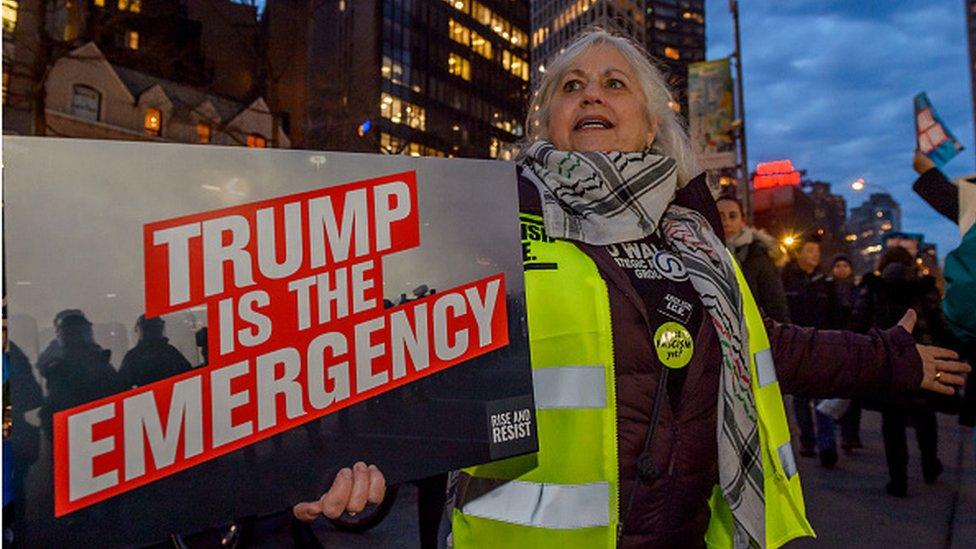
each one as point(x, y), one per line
point(671, 510)
point(759, 269)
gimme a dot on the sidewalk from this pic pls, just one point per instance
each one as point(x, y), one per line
point(848, 506)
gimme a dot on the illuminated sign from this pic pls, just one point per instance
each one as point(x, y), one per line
point(778, 173)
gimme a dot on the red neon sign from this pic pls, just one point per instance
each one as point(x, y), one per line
point(778, 173)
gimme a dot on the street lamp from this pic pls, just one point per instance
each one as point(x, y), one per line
point(859, 184)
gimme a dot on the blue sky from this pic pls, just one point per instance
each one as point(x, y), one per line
point(829, 84)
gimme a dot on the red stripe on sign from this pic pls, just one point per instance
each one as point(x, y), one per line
point(116, 444)
point(197, 258)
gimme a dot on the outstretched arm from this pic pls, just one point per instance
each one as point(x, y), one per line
point(935, 189)
point(829, 363)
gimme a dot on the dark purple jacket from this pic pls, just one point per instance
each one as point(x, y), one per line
point(671, 510)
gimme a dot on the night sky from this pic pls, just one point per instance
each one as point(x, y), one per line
point(829, 85)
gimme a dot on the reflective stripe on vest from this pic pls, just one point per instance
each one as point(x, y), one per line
point(569, 387)
point(765, 369)
point(568, 311)
point(566, 495)
point(537, 504)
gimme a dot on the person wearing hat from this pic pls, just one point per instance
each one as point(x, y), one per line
point(79, 371)
point(153, 358)
point(845, 290)
point(811, 298)
point(53, 350)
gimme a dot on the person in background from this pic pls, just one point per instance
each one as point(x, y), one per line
point(755, 251)
point(842, 277)
point(53, 350)
point(812, 303)
point(645, 446)
point(79, 373)
point(882, 299)
point(960, 271)
point(153, 358)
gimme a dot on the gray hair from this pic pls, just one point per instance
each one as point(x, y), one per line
point(671, 137)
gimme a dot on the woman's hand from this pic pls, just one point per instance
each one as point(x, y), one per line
point(922, 163)
point(350, 491)
point(941, 369)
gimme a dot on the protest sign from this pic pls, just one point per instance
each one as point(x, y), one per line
point(294, 312)
point(933, 138)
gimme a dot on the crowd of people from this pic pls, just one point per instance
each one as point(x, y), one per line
point(794, 284)
point(664, 451)
point(660, 363)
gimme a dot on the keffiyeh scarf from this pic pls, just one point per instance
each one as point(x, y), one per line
point(607, 198)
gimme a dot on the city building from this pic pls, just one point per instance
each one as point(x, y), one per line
point(210, 45)
point(89, 97)
point(867, 227)
point(790, 207)
point(676, 38)
point(780, 207)
point(425, 77)
point(672, 31)
point(829, 217)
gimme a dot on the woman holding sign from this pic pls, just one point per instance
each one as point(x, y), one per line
point(658, 385)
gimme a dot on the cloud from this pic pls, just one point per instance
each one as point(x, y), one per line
point(829, 84)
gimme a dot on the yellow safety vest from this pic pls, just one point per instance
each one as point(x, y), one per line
point(567, 494)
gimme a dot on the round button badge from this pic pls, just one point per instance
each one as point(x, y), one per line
point(674, 345)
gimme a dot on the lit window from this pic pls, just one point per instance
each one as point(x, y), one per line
point(10, 15)
point(100, 3)
point(135, 6)
point(672, 53)
point(85, 103)
point(154, 121)
point(480, 13)
point(392, 71)
point(480, 45)
point(458, 32)
point(342, 5)
point(204, 132)
point(460, 5)
point(132, 40)
point(515, 65)
point(256, 141)
point(494, 148)
point(459, 66)
point(398, 111)
point(123, 5)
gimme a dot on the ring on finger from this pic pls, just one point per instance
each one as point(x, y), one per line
point(938, 376)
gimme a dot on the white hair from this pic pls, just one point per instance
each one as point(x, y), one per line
point(671, 137)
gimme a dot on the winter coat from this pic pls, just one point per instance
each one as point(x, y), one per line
point(756, 260)
point(151, 360)
point(82, 373)
point(812, 298)
point(671, 510)
point(882, 301)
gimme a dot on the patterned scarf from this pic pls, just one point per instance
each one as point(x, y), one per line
point(607, 198)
